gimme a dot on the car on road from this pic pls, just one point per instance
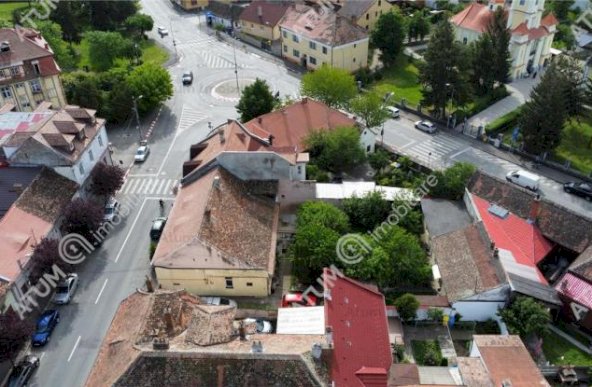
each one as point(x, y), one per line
point(187, 77)
point(426, 126)
point(219, 301)
point(298, 298)
point(21, 374)
point(162, 31)
point(580, 189)
point(142, 153)
point(65, 290)
point(262, 326)
point(393, 111)
point(524, 179)
point(46, 323)
point(111, 209)
point(157, 227)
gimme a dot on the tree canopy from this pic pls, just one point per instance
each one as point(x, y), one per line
point(106, 179)
point(139, 23)
point(483, 67)
point(256, 99)
point(153, 83)
point(526, 317)
point(388, 35)
point(104, 48)
point(500, 35)
point(407, 306)
point(331, 85)
point(336, 151)
point(82, 216)
point(52, 33)
point(366, 212)
point(451, 183)
point(370, 108)
point(13, 333)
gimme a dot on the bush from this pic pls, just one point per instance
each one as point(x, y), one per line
point(379, 159)
point(313, 172)
point(503, 123)
point(427, 352)
point(407, 306)
point(488, 327)
point(451, 183)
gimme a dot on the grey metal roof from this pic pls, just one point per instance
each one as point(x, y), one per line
point(533, 289)
point(444, 216)
point(8, 178)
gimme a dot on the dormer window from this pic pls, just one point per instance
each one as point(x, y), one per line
point(36, 67)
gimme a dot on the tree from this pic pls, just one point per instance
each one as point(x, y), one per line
point(407, 306)
point(370, 108)
point(388, 36)
point(560, 8)
point(256, 100)
point(153, 83)
point(379, 159)
point(139, 23)
point(45, 255)
point(52, 33)
point(526, 317)
point(72, 16)
point(336, 151)
point(566, 36)
point(435, 314)
point(451, 183)
point(569, 70)
point(104, 48)
point(540, 130)
point(109, 15)
point(483, 68)
point(418, 26)
point(13, 334)
point(322, 214)
point(106, 179)
point(366, 212)
point(331, 85)
point(500, 35)
point(81, 89)
point(82, 216)
point(443, 73)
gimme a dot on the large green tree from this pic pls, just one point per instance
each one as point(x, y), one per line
point(526, 317)
point(81, 89)
point(443, 75)
point(500, 35)
point(366, 212)
point(370, 108)
point(483, 68)
point(560, 8)
point(336, 151)
point(418, 26)
point(331, 85)
point(153, 83)
point(407, 306)
point(72, 16)
point(388, 35)
point(108, 15)
point(139, 23)
point(256, 99)
point(451, 183)
point(104, 48)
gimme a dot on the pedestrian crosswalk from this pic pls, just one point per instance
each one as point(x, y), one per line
point(189, 117)
point(214, 61)
point(149, 186)
point(432, 152)
point(197, 42)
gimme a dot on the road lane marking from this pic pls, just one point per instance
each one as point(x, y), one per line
point(129, 233)
point(74, 349)
point(101, 292)
point(408, 144)
point(159, 189)
point(459, 153)
point(41, 357)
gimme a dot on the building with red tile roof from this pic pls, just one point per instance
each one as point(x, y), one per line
point(356, 320)
point(532, 33)
point(261, 19)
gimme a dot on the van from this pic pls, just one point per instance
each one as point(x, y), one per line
point(393, 111)
point(524, 179)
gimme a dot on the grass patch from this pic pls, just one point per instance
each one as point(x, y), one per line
point(255, 305)
point(402, 80)
point(576, 145)
point(427, 352)
point(573, 332)
point(560, 352)
point(6, 10)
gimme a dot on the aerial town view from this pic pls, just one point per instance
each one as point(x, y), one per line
point(307, 193)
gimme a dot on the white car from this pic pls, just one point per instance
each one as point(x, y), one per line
point(262, 326)
point(111, 209)
point(524, 179)
point(142, 153)
point(426, 126)
point(65, 290)
point(162, 31)
point(393, 111)
point(219, 301)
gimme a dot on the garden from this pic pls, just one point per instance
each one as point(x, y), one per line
point(560, 352)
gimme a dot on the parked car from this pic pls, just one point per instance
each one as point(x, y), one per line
point(142, 153)
point(262, 326)
point(580, 189)
point(157, 227)
point(524, 179)
point(187, 77)
point(219, 301)
point(65, 290)
point(162, 31)
point(293, 298)
point(393, 111)
point(21, 374)
point(111, 209)
point(426, 126)
point(45, 326)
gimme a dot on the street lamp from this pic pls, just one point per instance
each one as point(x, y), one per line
point(135, 108)
point(386, 99)
point(451, 86)
point(235, 67)
point(173, 36)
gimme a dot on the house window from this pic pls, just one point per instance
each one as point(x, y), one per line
point(90, 156)
point(368, 148)
point(354, 60)
point(36, 67)
point(229, 284)
point(522, 2)
point(249, 284)
point(285, 34)
point(312, 60)
point(355, 45)
point(81, 169)
point(25, 101)
point(100, 139)
point(285, 48)
point(324, 50)
point(14, 71)
point(295, 38)
point(6, 92)
point(379, 2)
point(296, 53)
point(367, 16)
point(300, 169)
point(19, 85)
point(252, 25)
point(465, 40)
point(376, 14)
point(35, 86)
point(312, 45)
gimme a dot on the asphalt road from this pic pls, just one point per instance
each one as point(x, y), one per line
point(120, 266)
point(444, 149)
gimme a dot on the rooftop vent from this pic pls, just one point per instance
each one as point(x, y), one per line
point(216, 182)
point(498, 211)
point(4, 46)
point(506, 383)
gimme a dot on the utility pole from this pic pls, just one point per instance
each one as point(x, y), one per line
point(135, 109)
point(173, 36)
point(236, 67)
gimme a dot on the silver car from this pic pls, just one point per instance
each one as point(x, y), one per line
point(262, 326)
point(66, 288)
point(142, 153)
point(111, 209)
point(219, 301)
point(426, 126)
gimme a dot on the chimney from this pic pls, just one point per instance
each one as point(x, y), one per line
point(534, 209)
point(270, 139)
point(259, 12)
point(216, 183)
point(221, 134)
point(5, 46)
point(304, 100)
point(168, 320)
point(208, 215)
point(18, 188)
point(259, 120)
point(241, 331)
point(149, 285)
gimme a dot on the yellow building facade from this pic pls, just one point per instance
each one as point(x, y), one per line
point(189, 5)
point(364, 13)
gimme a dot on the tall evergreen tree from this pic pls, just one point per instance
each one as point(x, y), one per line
point(483, 68)
point(575, 83)
point(500, 38)
point(256, 100)
point(443, 74)
point(388, 36)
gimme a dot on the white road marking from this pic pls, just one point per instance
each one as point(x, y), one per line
point(101, 292)
point(42, 355)
point(460, 152)
point(159, 190)
point(74, 349)
point(141, 186)
point(408, 144)
point(129, 233)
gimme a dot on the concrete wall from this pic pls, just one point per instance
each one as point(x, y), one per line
point(462, 34)
point(256, 165)
point(293, 193)
point(203, 282)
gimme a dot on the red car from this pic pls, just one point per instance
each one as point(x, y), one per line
point(298, 298)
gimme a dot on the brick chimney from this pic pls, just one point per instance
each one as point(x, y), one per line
point(270, 139)
point(168, 320)
point(535, 207)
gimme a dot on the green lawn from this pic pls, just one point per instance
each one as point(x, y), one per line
point(402, 80)
point(7, 8)
point(559, 352)
point(576, 145)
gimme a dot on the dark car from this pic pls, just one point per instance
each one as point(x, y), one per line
point(581, 189)
point(45, 326)
point(187, 77)
point(22, 372)
point(157, 227)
